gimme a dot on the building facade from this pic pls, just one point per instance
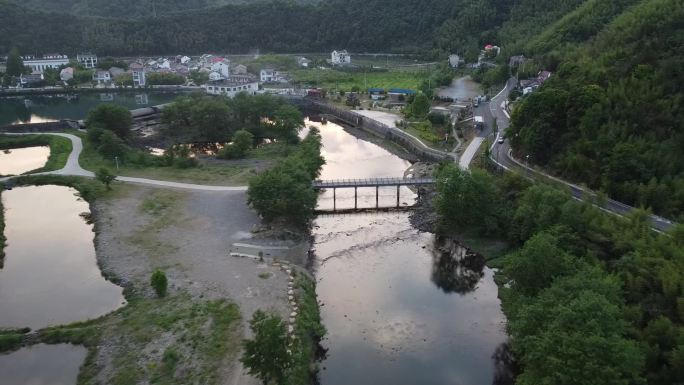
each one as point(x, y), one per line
point(45, 62)
point(232, 87)
point(87, 60)
point(340, 57)
point(138, 73)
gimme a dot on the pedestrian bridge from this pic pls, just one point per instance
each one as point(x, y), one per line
point(370, 182)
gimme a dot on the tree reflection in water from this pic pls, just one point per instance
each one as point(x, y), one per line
point(505, 366)
point(455, 269)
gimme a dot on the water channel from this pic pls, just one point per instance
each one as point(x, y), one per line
point(46, 108)
point(17, 161)
point(50, 275)
point(400, 305)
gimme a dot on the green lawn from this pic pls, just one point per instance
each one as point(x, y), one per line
point(60, 148)
point(337, 80)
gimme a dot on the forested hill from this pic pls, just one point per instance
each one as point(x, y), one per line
point(130, 8)
point(612, 116)
point(378, 25)
point(195, 26)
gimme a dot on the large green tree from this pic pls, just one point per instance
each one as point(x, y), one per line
point(15, 66)
point(110, 117)
point(266, 355)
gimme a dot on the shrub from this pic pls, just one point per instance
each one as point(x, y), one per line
point(159, 283)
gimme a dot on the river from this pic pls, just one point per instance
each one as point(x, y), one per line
point(400, 306)
point(45, 108)
point(50, 274)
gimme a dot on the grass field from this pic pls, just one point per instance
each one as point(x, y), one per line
point(331, 79)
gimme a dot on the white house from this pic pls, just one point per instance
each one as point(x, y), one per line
point(185, 60)
point(66, 74)
point(340, 57)
point(137, 70)
point(232, 87)
point(268, 75)
point(87, 60)
point(239, 69)
point(215, 76)
point(45, 62)
point(102, 77)
point(221, 66)
point(303, 62)
point(454, 61)
point(163, 64)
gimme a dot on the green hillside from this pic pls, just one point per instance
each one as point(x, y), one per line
point(612, 117)
point(130, 8)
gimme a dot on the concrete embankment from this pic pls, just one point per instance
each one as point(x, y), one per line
point(382, 130)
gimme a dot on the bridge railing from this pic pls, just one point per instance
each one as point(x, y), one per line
point(372, 182)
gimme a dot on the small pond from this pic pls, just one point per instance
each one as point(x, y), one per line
point(50, 275)
point(461, 89)
point(16, 161)
point(42, 365)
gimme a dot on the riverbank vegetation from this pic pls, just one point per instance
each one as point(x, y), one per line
point(250, 132)
point(276, 357)
point(285, 192)
point(589, 297)
point(60, 148)
point(612, 115)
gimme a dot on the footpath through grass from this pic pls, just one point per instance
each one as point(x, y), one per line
point(208, 171)
point(60, 148)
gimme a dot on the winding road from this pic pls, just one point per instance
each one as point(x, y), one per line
point(501, 154)
point(72, 167)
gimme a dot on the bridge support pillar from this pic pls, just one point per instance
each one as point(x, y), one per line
point(334, 199)
point(398, 195)
point(355, 199)
point(376, 196)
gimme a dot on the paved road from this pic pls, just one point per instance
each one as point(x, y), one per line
point(501, 154)
point(489, 113)
point(72, 167)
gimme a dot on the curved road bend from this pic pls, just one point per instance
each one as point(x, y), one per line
point(72, 167)
point(501, 154)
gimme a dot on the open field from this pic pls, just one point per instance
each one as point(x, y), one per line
point(338, 80)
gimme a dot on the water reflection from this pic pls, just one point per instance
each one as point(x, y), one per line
point(387, 320)
point(17, 161)
point(48, 108)
point(455, 269)
point(42, 365)
point(50, 274)
point(506, 368)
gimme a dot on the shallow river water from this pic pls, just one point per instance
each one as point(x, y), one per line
point(400, 306)
point(17, 161)
point(50, 275)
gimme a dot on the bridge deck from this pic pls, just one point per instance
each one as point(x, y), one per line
point(372, 182)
